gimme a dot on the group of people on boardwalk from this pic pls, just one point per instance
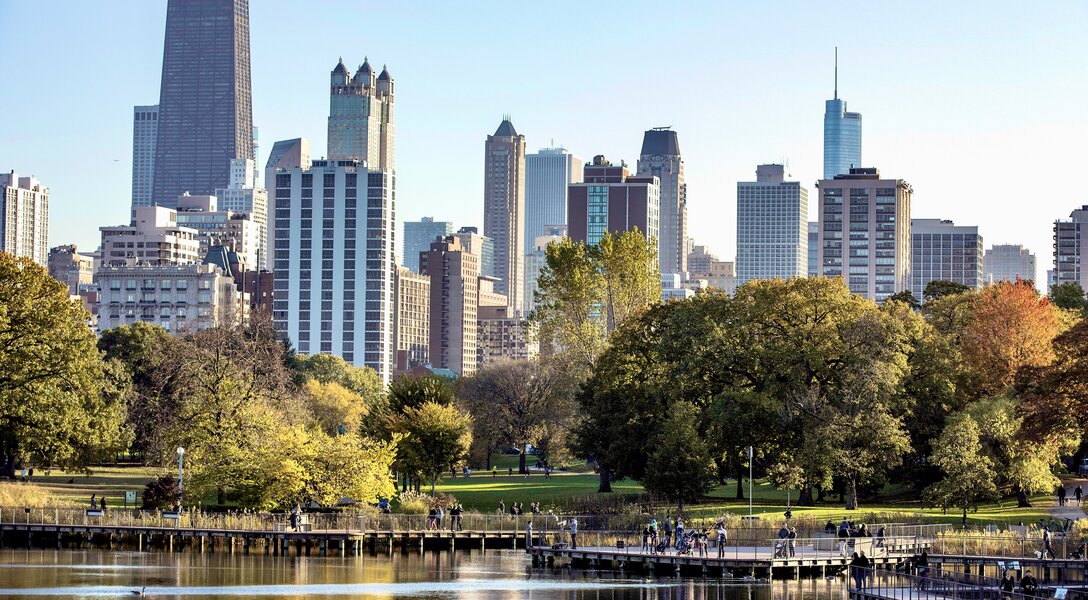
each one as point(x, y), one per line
point(436, 513)
point(847, 530)
point(98, 503)
point(517, 509)
point(659, 538)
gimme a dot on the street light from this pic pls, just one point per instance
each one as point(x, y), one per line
point(181, 454)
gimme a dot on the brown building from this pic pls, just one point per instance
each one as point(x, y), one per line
point(71, 268)
point(411, 319)
point(258, 284)
point(454, 287)
point(610, 199)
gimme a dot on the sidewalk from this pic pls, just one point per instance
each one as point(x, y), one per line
point(1070, 510)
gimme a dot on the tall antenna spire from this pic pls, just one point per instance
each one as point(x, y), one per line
point(836, 72)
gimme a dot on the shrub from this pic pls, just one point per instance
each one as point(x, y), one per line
point(416, 503)
point(162, 492)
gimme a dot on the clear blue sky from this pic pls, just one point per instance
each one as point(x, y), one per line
point(979, 105)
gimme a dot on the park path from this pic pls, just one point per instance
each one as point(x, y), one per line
point(1070, 510)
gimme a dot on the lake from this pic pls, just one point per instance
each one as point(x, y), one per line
point(467, 575)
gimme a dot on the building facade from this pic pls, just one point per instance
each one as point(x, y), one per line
point(548, 174)
point(245, 198)
point(361, 117)
point(205, 104)
point(482, 246)
point(723, 276)
point(943, 251)
point(333, 262)
point(24, 217)
point(145, 133)
point(813, 248)
point(699, 260)
point(217, 227)
point(1070, 248)
point(68, 266)
point(412, 320)
point(772, 226)
point(504, 209)
point(152, 238)
point(865, 232)
point(418, 236)
point(610, 199)
point(176, 297)
point(1008, 262)
point(454, 275)
point(500, 336)
point(537, 259)
point(660, 158)
point(286, 155)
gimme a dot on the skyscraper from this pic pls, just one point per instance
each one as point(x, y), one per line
point(361, 116)
point(942, 250)
point(412, 319)
point(661, 158)
point(481, 246)
point(1071, 249)
point(205, 113)
point(813, 248)
point(547, 175)
point(455, 276)
point(609, 199)
point(145, 131)
point(1008, 262)
point(504, 209)
point(842, 134)
point(865, 232)
point(418, 236)
point(772, 226)
point(535, 261)
point(24, 217)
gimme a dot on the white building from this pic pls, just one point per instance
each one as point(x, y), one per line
point(285, 154)
point(24, 217)
point(772, 226)
point(216, 226)
point(548, 174)
point(537, 259)
point(1008, 262)
point(243, 196)
point(154, 237)
point(333, 262)
point(145, 133)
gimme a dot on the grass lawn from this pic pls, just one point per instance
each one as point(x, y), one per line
point(112, 481)
point(483, 491)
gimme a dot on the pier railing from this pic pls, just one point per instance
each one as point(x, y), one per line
point(897, 585)
point(1009, 546)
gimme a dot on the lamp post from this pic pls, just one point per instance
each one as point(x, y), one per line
point(750, 452)
point(181, 473)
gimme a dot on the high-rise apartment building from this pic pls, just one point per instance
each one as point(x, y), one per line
point(772, 226)
point(610, 199)
point(1070, 249)
point(865, 232)
point(943, 251)
point(454, 275)
point(145, 132)
point(482, 246)
point(813, 248)
point(661, 158)
point(504, 209)
point(68, 266)
point(242, 196)
point(1008, 262)
point(418, 236)
point(153, 237)
point(205, 112)
point(333, 262)
point(535, 261)
point(502, 336)
point(24, 217)
point(548, 174)
point(842, 134)
point(412, 319)
point(361, 117)
point(285, 154)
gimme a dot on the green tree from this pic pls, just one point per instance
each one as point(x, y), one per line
point(349, 466)
point(906, 297)
point(329, 368)
point(337, 409)
point(436, 437)
point(1069, 296)
point(679, 466)
point(968, 473)
point(939, 288)
point(786, 476)
point(412, 392)
point(140, 348)
point(60, 404)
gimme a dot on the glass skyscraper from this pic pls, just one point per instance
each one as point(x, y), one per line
point(842, 138)
point(205, 112)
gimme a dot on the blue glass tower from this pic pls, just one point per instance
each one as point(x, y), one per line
point(842, 134)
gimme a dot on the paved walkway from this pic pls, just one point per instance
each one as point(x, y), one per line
point(1070, 510)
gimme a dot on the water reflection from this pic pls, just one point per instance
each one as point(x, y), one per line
point(492, 575)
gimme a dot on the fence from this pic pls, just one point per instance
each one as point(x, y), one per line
point(908, 586)
point(1010, 546)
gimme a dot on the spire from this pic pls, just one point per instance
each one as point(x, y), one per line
point(506, 128)
point(340, 68)
point(385, 74)
point(836, 72)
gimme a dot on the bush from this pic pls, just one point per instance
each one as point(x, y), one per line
point(416, 503)
point(162, 492)
point(28, 495)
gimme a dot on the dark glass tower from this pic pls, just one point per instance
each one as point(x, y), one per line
point(205, 111)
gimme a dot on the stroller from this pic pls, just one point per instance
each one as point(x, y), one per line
point(780, 549)
point(661, 547)
point(686, 546)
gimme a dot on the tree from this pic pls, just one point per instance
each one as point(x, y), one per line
point(60, 404)
point(329, 368)
point(349, 466)
point(628, 263)
point(140, 348)
point(1055, 395)
point(679, 466)
point(337, 409)
point(939, 288)
point(906, 297)
point(412, 392)
point(968, 473)
point(786, 476)
point(1069, 296)
point(436, 437)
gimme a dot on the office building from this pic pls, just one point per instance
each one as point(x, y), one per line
point(361, 117)
point(145, 132)
point(865, 232)
point(660, 158)
point(243, 196)
point(418, 236)
point(454, 274)
point(536, 260)
point(548, 174)
point(842, 134)
point(412, 319)
point(1008, 262)
point(205, 112)
point(943, 251)
point(70, 267)
point(260, 286)
point(673, 287)
point(504, 209)
point(813, 248)
point(610, 199)
point(153, 237)
point(217, 227)
point(24, 217)
point(699, 261)
point(333, 262)
point(1070, 248)
point(772, 226)
point(482, 246)
point(501, 336)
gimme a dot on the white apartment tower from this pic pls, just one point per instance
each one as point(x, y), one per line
point(243, 196)
point(772, 226)
point(1070, 248)
point(152, 238)
point(145, 133)
point(24, 217)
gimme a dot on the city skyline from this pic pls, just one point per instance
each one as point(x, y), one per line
point(949, 117)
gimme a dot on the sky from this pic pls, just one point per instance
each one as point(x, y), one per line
point(980, 106)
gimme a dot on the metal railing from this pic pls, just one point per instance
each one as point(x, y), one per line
point(1009, 546)
point(896, 585)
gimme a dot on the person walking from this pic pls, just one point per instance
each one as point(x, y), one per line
point(1008, 585)
point(502, 507)
point(844, 532)
point(1048, 550)
point(432, 515)
point(529, 535)
point(791, 540)
point(646, 538)
point(102, 503)
point(1029, 586)
point(679, 533)
point(94, 500)
point(880, 537)
point(1077, 494)
point(1061, 494)
point(922, 565)
point(295, 518)
point(666, 530)
point(721, 539)
point(866, 564)
point(573, 533)
point(855, 571)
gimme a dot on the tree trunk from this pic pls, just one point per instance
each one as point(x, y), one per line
point(434, 476)
point(606, 479)
point(489, 459)
point(851, 494)
point(740, 484)
point(522, 469)
point(1022, 498)
point(221, 495)
point(805, 497)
